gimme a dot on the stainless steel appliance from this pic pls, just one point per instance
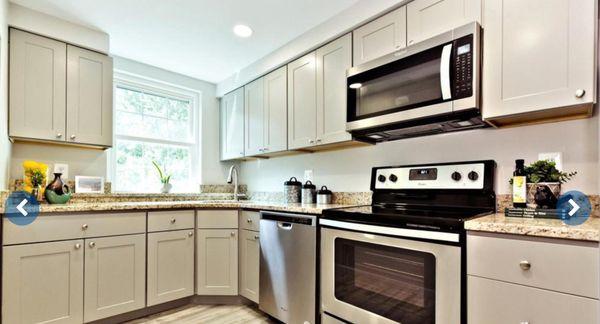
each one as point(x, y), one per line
point(429, 87)
point(402, 258)
point(288, 256)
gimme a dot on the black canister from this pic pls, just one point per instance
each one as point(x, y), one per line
point(292, 190)
point(324, 196)
point(308, 192)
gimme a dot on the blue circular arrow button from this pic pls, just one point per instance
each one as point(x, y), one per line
point(21, 208)
point(576, 207)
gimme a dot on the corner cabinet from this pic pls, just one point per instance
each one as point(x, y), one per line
point(58, 92)
point(381, 36)
point(232, 125)
point(538, 67)
point(317, 96)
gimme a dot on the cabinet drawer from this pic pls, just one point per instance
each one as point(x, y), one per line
point(217, 218)
point(559, 265)
point(250, 220)
point(170, 220)
point(495, 302)
point(56, 227)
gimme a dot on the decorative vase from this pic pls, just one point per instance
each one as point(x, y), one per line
point(543, 195)
point(166, 188)
point(36, 191)
point(57, 192)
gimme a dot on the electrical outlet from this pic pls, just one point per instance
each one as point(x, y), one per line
point(555, 157)
point(62, 168)
point(308, 175)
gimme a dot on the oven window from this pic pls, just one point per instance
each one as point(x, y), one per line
point(395, 283)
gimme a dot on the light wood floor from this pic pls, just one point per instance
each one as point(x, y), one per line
point(209, 314)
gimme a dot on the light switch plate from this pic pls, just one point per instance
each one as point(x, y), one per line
point(555, 157)
point(308, 175)
point(62, 168)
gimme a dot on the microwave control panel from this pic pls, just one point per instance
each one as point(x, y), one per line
point(463, 67)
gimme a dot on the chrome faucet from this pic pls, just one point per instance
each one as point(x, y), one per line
point(233, 177)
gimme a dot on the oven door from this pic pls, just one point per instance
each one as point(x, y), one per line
point(370, 278)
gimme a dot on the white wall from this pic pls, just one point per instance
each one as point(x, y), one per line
point(5, 145)
point(345, 21)
point(349, 169)
point(50, 26)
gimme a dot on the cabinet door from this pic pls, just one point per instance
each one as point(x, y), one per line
point(249, 264)
point(43, 283)
point(89, 97)
point(115, 275)
point(170, 266)
point(232, 125)
point(302, 102)
point(333, 60)
point(427, 18)
point(37, 87)
point(275, 84)
point(380, 37)
point(535, 62)
point(217, 262)
point(254, 117)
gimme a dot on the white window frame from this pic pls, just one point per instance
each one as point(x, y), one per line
point(134, 81)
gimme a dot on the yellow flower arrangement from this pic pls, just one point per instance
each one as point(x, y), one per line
point(35, 175)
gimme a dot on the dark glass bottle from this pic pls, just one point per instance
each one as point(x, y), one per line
point(519, 185)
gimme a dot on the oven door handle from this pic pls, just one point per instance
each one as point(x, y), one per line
point(445, 72)
point(393, 231)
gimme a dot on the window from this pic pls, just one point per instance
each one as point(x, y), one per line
point(154, 122)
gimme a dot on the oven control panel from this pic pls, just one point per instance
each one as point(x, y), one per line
point(447, 176)
point(463, 67)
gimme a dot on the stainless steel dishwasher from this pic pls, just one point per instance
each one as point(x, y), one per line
point(288, 257)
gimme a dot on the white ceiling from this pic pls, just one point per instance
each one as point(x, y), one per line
point(194, 37)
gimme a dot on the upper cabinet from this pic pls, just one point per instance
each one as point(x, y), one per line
point(89, 97)
point(254, 140)
point(232, 125)
point(380, 36)
point(534, 63)
point(302, 102)
point(37, 87)
point(427, 18)
point(58, 92)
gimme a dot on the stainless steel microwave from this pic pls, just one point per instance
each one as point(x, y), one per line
point(429, 87)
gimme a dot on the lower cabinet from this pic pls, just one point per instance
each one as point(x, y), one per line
point(217, 261)
point(43, 283)
point(249, 264)
point(115, 273)
point(170, 266)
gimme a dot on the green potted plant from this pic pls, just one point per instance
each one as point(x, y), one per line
point(544, 182)
point(164, 179)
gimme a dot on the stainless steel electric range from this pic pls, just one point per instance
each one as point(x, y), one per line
point(402, 258)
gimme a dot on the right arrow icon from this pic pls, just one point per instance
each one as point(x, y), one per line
point(575, 207)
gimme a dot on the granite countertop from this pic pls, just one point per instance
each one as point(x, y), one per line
point(184, 204)
point(552, 228)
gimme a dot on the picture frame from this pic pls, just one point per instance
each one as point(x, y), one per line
point(87, 184)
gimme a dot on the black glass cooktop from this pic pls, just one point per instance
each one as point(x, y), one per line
point(418, 217)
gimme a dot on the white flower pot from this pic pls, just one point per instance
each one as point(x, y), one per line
point(166, 188)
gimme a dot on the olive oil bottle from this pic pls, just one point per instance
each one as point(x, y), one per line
point(519, 185)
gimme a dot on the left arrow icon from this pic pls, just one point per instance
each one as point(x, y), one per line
point(21, 209)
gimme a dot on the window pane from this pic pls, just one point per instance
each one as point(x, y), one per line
point(134, 171)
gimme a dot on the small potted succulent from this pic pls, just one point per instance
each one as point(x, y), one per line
point(164, 179)
point(544, 182)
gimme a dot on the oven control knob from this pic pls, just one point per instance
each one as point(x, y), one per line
point(393, 178)
point(381, 178)
point(456, 176)
point(473, 176)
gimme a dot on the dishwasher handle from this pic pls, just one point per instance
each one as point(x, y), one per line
point(285, 226)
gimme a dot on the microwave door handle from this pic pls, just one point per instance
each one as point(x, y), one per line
point(445, 72)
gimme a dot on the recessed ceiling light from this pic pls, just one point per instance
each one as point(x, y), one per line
point(242, 30)
point(355, 85)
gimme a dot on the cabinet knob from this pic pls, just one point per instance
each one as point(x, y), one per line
point(265, 149)
point(409, 42)
point(318, 140)
point(92, 244)
point(232, 233)
point(526, 322)
point(73, 136)
point(525, 265)
point(241, 153)
point(579, 93)
point(190, 234)
point(173, 220)
point(58, 135)
point(261, 150)
point(249, 220)
point(311, 141)
point(256, 237)
point(77, 246)
point(84, 227)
